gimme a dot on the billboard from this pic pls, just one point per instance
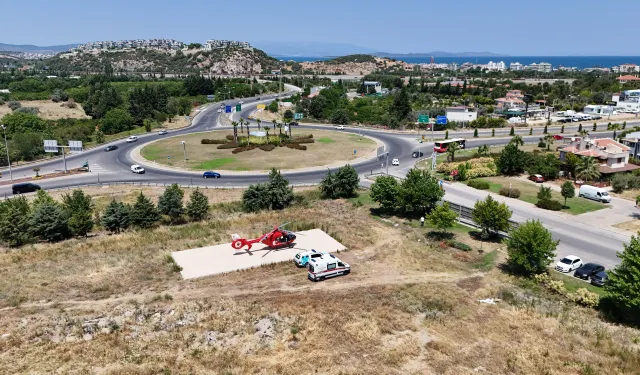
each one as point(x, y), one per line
point(75, 146)
point(261, 106)
point(50, 145)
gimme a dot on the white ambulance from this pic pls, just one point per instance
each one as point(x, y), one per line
point(325, 267)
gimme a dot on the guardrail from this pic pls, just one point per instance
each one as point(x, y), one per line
point(465, 216)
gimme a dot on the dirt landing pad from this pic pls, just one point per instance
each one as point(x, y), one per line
point(212, 260)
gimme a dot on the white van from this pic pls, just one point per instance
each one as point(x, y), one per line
point(595, 193)
point(326, 266)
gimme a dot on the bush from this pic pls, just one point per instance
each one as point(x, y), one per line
point(549, 204)
point(213, 141)
point(511, 193)
point(478, 184)
point(586, 298)
point(69, 105)
point(556, 286)
point(241, 149)
point(13, 105)
point(542, 144)
point(459, 245)
point(229, 137)
point(29, 110)
point(267, 147)
point(302, 140)
point(227, 146)
point(296, 146)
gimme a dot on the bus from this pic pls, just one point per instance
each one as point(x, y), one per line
point(441, 146)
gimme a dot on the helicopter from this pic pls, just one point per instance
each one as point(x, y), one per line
point(276, 238)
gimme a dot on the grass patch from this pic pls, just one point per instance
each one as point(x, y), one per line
point(529, 192)
point(486, 262)
point(215, 163)
point(325, 140)
point(572, 284)
point(363, 199)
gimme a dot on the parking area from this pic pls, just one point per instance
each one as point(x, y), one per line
point(217, 259)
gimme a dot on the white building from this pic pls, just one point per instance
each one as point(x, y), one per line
point(496, 66)
point(212, 44)
point(461, 114)
point(629, 99)
point(626, 68)
point(593, 109)
point(543, 67)
point(376, 85)
point(516, 66)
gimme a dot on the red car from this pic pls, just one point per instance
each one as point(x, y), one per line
point(536, 178)
point(558, 137)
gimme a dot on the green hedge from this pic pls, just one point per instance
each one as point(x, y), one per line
point(511, 193)
point(552, 205)
point(459, 245)
point(478, 184)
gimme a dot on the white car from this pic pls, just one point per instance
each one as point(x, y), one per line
point(395, 162)
point(340, 127)
point(241, 102)
point(137, 169)
point(132, 138)
point(569, 263)
point(163, 132)
point(219, 110)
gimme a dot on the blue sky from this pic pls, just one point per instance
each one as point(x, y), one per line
point(540, 27)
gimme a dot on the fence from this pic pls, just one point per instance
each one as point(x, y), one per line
point(465, 216)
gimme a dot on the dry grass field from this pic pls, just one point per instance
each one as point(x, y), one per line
point(114, 304)
point(49, 110)
point(329, 147)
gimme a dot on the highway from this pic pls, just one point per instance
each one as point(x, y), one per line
point(593, 242)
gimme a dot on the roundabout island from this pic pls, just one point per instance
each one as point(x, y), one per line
point(219, 150)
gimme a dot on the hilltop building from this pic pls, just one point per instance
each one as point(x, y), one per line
point(212, 44)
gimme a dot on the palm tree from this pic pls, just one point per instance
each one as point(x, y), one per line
point(451, 150)
point(583, 133)
point(280, 129)
point(241, 125)
point(235, 130)
point(587, 169)
point(548, 139)
point(266, 129)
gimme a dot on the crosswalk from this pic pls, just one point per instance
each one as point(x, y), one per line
point(96, 168)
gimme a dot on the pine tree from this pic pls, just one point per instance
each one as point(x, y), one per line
point(170, 203)
point(595, 126)
point(512, 132)
point(493, 132)
point(446, 134)
point(14, 221)
point(41, 197)
point(116, 217)
point(144, 213)
point(78, 208)
point(579, 128)
point(562, 129)
point(530, 131)
point(49, 223)
point(198, 206)
point(475, 133)
point(623, 288)
point(544, 131)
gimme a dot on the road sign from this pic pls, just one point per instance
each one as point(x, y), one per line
point(238, 107)
point(298, 116)
point(423, 119)
point(441, 120)
point(380, 151)
point(227, 109)
point(211, 97)
point(260, 106)
point(50, 145)
point(75, 146)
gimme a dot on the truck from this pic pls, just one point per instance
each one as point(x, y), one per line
point(327, 266)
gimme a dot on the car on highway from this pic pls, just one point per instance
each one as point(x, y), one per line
point(222, 105)
point(137, 169)
point(110, 148)
point(417, 154)
point(211, 174)
point(163, 132)
point(241, 102)
point(258, 98)
point(568, 263)
point(25, 187)
point(536, 178)
point(132, 138)
point(599, 279)
point(395, 162)
point(558, 137)
point(340, 127)
point(219, 110)
point(293, 123)
point(588, 270)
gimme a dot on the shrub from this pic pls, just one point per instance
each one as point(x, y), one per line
point(296, 146)
point(14, 105)
point(586, 298)
point(227, 146)
point(511, 193)
point(229, 137)
point(241, 149)
point(478, 184)
point(213, 141)
point(69, 104)
point(302, 140)
point(480, 172)
point(549, 204)
point(556, 286)
point(29, 110)
point(541, 144)
point(459, 245)
point(267, 147)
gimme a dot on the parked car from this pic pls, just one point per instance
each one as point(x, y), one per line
point(301, 259)
point(599, 279)
point(325, 267)
point(340, 127)
point(132, 138)
point(219, 110)
point(536, 178)
point(25, 187)
point(211, 174)
point(595, 193)
point(163, 132)
point(137, 169)
point(568, 263)
point(395, 162)
point(110, 148)
point(587, 270)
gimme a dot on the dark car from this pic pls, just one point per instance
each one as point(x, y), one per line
point(599, 279)
point(293, 123)
point(258, 98)
point(26, 187)
point(110, 148)
point(210, 174)
point(588, 270)
point(417, 154)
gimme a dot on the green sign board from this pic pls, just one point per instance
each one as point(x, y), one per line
point(298, 116)
point(423, 119)
point(238, 107)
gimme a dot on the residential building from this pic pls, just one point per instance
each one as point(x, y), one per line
point(612, 156)
point(376, 85)
point(167, 44)
point(516, 66)
point(593, 109)
point(542, 67)
point(632, 140)
point(461, 114)
point(452, 66)
point(626, 68)
point(496, 66)
point(217, 44)
point(627, 78)
point(629, 100)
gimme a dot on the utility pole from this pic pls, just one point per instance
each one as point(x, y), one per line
point(6, 146)
point(184, 148)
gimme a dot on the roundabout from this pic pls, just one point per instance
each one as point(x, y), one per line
point(321, 148)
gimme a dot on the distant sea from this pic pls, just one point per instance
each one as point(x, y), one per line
point(579, 62)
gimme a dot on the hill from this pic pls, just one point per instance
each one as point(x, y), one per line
point(310, 49)
point(221, 61)
point(439, 54)
point(36, 49)
point(354, 64)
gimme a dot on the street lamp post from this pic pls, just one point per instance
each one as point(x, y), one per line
point(6, 146)
point(184, 148)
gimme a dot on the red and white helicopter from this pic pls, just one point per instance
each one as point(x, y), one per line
point(275, 239)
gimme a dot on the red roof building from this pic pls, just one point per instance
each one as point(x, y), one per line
point(612, 156)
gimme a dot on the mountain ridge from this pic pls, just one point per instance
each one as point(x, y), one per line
point(36, 49)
